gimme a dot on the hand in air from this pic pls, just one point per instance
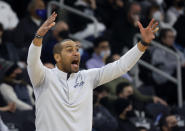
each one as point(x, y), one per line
point(48, 24)
point(148, 33)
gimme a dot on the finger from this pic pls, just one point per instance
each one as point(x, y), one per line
point(50, 26)
point(151, 23)
point(155, 25)
point(51, 20)
point(139, 25)
point(155, 30)
point(52, 14)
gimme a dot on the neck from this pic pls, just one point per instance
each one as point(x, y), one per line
point(61, 68)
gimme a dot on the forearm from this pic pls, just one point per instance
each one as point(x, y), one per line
point(141, 97)
point(3, 109)
point(141, 47)
point(118, 68)
point(35, 67)
point(37, 41)
point(20, 105)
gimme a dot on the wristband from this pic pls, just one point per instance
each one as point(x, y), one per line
point(38, 36)
point(144, 43)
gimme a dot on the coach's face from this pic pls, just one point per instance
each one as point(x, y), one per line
point(69, 59)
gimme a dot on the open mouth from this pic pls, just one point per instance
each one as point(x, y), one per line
point(75, 63)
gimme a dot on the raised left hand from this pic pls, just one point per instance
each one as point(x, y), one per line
point(148, 33)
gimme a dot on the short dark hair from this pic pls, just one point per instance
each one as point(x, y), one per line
point(163, 33)
point(58, 47)
point(98, 40)
point(121, 86)
point(101, 89)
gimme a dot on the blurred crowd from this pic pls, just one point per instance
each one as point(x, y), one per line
point(120, 105)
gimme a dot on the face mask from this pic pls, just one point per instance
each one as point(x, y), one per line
point(159, 2)
point(41, 13)
point(64, 34)
point(19, 77)
point(105, 53)
point(131, 98)
point(175, 128)
point(81, 51)
point(157, 15)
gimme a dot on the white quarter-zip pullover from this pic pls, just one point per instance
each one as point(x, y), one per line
point(66, 104)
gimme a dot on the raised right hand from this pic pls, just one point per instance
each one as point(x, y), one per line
point(48, 24)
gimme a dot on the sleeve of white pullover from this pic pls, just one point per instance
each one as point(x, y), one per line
point(36, 69)
point(114, 70)
point(10, 96)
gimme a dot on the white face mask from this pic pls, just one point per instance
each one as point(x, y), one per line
point(159, 2)
point(106, 53)
point(81, 51)
point(157, 16)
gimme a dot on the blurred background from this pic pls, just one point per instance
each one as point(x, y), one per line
point(150, 97)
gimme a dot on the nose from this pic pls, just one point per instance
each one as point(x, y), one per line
point(76, 53)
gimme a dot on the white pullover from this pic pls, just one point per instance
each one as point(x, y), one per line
point(66, 104)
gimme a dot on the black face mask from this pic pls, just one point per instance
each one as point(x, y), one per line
point(64, 34)
point(19, 76)
point(131, 98)
point(175, 128)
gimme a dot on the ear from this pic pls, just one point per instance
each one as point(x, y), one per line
point(57, 58)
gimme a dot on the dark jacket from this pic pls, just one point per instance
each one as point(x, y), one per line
point(103, 120)
point(25, 32)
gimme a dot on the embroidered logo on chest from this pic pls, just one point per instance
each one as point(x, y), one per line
point(79, 81)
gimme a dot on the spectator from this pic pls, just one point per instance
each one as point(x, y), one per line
point(154, 11)
point(126, 91)
point(82, 27)
point(59, 33)
point(112, 7)
point(123, 107)
point(175, 11)
point(7, 49)
point(8, 16)
point(14, 89)
point(168, 123)
point(27, 27)
point(102, 119)
point(101, 52)
point(166, 62)
point(125, 27)
point(180, 28)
